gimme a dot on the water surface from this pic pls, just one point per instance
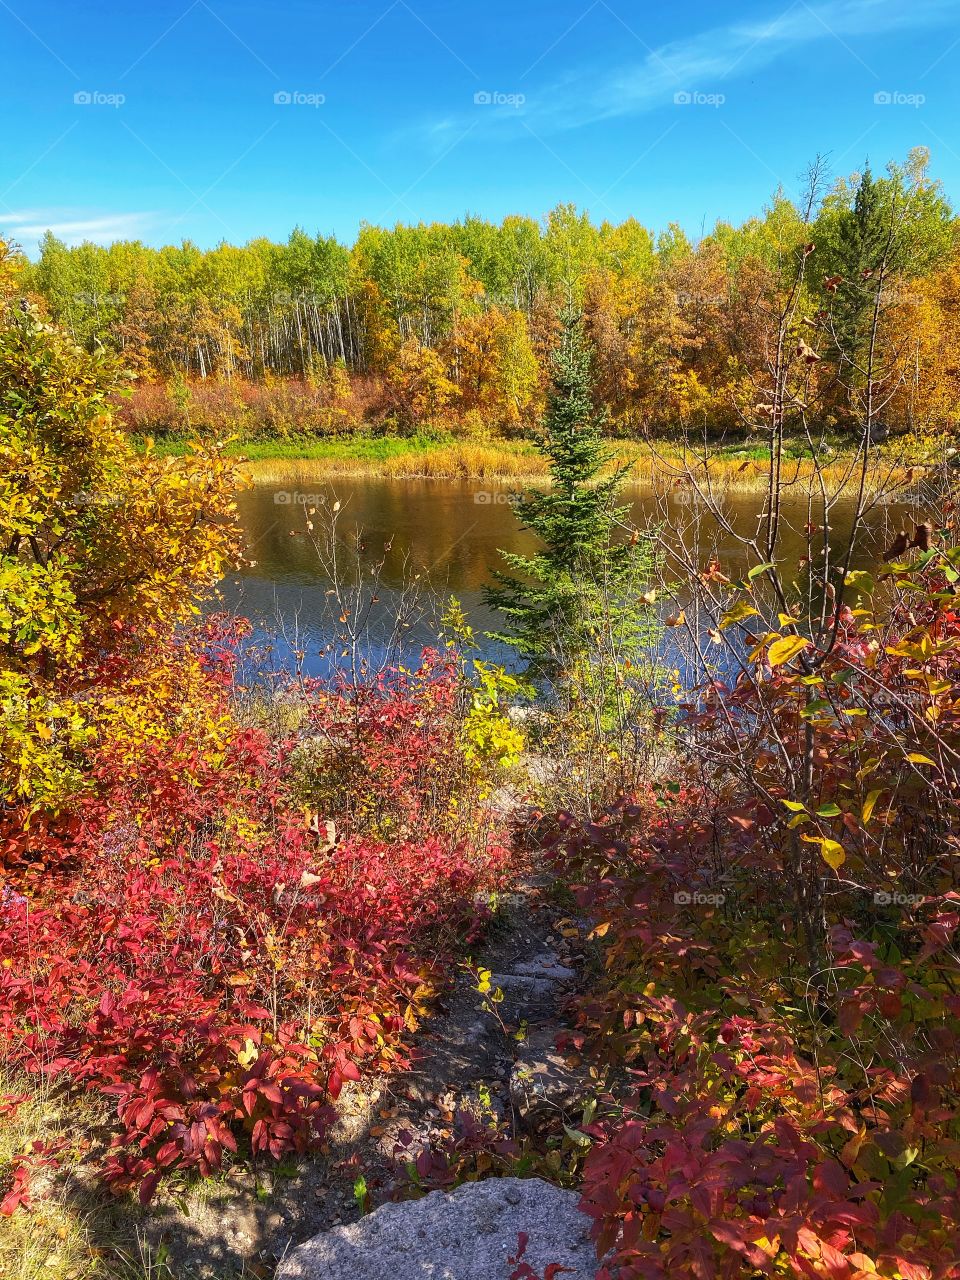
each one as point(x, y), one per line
point(448, 532)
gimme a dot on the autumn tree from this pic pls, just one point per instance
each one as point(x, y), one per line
point(495, 367)
point(925, 321)
point(675, 324)
point(103, 550)
point(418, 389)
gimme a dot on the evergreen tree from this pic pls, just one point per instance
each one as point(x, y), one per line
point(871, 236)
point(556, 601)
point(862, 243)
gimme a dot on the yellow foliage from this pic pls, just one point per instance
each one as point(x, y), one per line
point(104, 553)
point(495, 366)
point(420, 383)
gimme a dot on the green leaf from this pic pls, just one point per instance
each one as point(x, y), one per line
point(815, 708)
point(860, 578)
point(575, 1136)
point(757, 569)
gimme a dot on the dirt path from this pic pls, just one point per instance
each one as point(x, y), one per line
point(240, 1226)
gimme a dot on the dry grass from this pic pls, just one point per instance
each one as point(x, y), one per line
point(460, 460)
point(727, 471)
point(74, 1231)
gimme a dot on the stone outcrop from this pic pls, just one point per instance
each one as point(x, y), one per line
point(466, 1234)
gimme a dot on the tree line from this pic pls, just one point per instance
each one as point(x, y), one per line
point(455, 324)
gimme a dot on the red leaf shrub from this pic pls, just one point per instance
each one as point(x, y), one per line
point(20, 1192)
point(194, 950)
point(402, 726)
point(782, 974)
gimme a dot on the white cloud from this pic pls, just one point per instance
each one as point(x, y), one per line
point(704, 63)
point(73, 226)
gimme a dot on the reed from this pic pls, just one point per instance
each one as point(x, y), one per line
point(509, 462)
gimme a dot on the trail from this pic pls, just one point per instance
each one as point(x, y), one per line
point(242, 1225)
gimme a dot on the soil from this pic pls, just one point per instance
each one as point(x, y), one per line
point(243, 1224)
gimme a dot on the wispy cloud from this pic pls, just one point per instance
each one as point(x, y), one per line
point(705, 62)
point(73, 226)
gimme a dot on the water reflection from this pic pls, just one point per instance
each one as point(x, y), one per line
point(450, 533)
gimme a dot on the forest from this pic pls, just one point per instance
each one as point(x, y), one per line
point(450, 327)
point(660, 917)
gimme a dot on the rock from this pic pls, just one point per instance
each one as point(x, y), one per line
point(547, 966)
point(542, 1083)
point(467, 1234)
point(521, 986)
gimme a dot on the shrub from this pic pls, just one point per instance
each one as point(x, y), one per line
point(781, 965)
point(191, 945)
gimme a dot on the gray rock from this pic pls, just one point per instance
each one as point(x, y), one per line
point(467, 1234)
point(542, 1083)
point(521, 986)
point(546, 966)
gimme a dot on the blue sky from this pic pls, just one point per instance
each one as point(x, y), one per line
point(159, 121)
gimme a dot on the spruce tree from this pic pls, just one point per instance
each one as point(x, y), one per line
point(554, 600)
point(862, 244)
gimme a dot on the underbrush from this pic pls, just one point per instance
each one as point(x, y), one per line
point(778, 928)
point(726, 468)
point(211, 943)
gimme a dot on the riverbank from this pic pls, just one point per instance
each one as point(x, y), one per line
point(740, 467)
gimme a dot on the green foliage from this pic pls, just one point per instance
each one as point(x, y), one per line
point(554, 600)
point(871, 229)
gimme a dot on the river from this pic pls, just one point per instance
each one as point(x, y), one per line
point(448, 532)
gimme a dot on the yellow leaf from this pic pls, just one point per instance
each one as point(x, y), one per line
point(833, 853)
point(248, 1054)
point(916, 758)
point(786, 648)
point(870, 804)
point(738, 613)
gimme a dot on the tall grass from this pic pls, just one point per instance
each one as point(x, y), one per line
point(75, 1230)
point(739, 468)
point(514, 462)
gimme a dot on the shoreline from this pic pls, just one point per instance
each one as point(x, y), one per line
point(739, 468)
